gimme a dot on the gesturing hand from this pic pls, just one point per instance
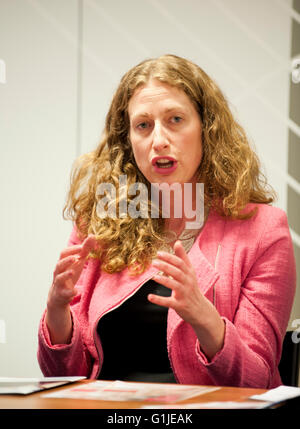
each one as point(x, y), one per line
point(187, 300)
point(67, 272)
point(62, 291)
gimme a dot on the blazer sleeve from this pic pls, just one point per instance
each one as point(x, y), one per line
point(253, 339)
point(64, 359)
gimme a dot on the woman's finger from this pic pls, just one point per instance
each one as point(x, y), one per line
point(168, 282)
point(181, 253)
point(63, 279)
point(89, 244)
point(75, 255)
point(64, 264)
point(80, 249)
point(68, 294)
point(160, 300)
point(172, 259)
point(169, 269)
point(72, 250)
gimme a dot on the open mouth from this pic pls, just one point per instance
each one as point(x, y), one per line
point(164, 165)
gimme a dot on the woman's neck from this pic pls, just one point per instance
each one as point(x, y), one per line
point(175, 225)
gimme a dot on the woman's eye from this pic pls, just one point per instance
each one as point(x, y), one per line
point(142, 125)
point(176, 119)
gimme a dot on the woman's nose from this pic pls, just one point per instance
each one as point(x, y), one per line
point(160, 140)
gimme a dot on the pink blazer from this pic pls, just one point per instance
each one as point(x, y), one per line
point(246, 267)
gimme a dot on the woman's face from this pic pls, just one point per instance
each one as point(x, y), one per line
point(165, 133)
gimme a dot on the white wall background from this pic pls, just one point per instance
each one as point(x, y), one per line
point(63, 61)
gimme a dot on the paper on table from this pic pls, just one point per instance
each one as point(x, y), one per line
point(278, 394)
point(129, 391)
point(25, 386)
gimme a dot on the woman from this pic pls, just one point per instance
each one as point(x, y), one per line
point(168, 297)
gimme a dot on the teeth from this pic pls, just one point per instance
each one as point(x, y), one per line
point(164, 162)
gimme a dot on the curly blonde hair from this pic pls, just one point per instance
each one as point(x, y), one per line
point(230, 169)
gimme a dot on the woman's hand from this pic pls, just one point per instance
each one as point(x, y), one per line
point(62, 291)
point(67, 272)
point(187, 300)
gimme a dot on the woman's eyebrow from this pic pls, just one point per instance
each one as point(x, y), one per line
point(171, 109)
point(141, 114)
point(167, 110)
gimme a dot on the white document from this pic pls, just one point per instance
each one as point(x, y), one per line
point(25, 386)
point(278, 394)
point(129, 391)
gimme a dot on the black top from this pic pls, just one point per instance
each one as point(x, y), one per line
point(134, 339)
